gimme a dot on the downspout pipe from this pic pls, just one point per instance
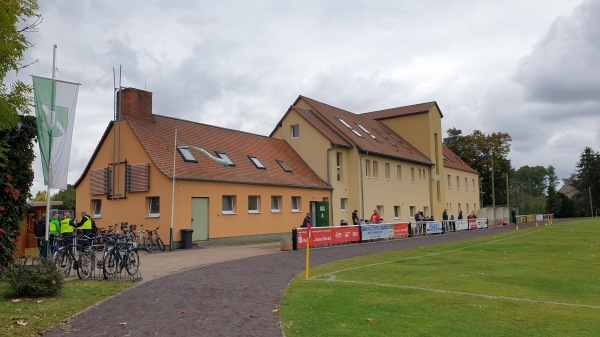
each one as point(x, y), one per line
point(329, 182)
point(362, 186)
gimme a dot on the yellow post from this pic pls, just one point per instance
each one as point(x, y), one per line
point(308, 252)
point(517, 226)
point(536, 224)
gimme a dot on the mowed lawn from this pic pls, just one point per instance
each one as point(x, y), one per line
point(537, 282)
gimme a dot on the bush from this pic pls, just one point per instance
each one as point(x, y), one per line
point(43, 279)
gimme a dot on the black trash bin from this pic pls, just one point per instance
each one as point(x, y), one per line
point(186, 238)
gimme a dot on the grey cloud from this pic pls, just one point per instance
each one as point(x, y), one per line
point(562, 68)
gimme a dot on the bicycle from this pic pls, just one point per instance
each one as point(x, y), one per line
point(72, 256)
point(121, 255)
point(153, 239)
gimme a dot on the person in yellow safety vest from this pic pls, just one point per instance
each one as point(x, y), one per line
point(54, 230)
point(67, 228)
point(85, 224)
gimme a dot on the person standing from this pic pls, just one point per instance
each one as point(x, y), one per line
point(460, 216)
point(306, 221)
point(85, 224)
point(54, 230)
point(514, 215)
point(39, 230)
point(375, 217)
point(67, 226)
point(355, 218)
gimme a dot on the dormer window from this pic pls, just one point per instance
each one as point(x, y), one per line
point(257, 163)
point(295, 131)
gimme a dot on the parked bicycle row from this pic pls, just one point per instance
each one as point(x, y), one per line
point(107, 253)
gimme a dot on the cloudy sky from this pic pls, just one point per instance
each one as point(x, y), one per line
point(528, 68)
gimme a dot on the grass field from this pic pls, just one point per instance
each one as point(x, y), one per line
point(537, 282)
point(30, 316)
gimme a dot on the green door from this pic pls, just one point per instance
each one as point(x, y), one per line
point(322, 213)
point(200, 219)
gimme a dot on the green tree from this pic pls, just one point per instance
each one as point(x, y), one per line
point(553, 201)
point(40, 196)
point(481, 151)
point(587, 180)
point(67, 197)
point(14, 98)
point(16, 128)
point(530, 189)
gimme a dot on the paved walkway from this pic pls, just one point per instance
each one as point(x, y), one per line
point(235, 293)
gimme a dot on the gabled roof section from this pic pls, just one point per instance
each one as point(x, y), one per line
point(402, 111)
point(367, 134)
point(157, 138)
point(451, 160)
point(323, 127)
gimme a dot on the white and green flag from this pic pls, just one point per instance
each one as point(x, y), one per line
point(55, 103)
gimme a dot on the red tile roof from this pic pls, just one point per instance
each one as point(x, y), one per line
point(379, 139)
point(451, 160)
point(158, 139)
point(402, 111)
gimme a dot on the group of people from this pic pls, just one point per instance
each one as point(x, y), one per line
point(375, 218)
point(65, 228)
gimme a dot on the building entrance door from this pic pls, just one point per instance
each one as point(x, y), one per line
point(200, 219)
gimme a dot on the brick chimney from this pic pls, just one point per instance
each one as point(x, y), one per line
point(136, 103)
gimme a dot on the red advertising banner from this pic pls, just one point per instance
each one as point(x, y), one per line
point(329, 235)
point(401, 230)
point(472, 223)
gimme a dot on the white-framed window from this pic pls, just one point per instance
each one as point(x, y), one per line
point(449, 182)
point(344, 204)
point(413, 211)
point(228, 204)
point(375, 169)
point(153, 206)
point(380, 210)
point(473, 184)
point(253, 204)
point(295, 131)
point(97, 208)
point(399, 172)
point(387, 171)
point(420, 174)
point(275, 203)
point(296, 204)
point(412, 174)
point(397, 213)
point(367, 167)
point(338, 163)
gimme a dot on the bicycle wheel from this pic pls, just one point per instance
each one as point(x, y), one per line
point(86, 264)
point(111, 264)
point(148, 244)
point(160, 244)
point(133, 262)
point(64, 263)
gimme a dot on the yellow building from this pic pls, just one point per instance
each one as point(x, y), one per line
point(391, 160)
point(264, 188)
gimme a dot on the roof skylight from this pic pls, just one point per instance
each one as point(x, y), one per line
point(257, 162)
point(349, 127)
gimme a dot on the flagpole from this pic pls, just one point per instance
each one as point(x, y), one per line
point(46, 250)
point(173, 194)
